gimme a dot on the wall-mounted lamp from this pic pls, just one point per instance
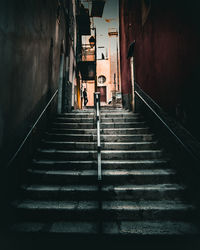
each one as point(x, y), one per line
point(92, 41)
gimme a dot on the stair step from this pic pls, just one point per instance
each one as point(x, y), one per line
point(105, 154)
point(123, 124)
point(113, 131)
point(119, 228)
point(108, 192)
point(121, 115)
point(74, 120)
point(70, 137)
point(91, 125)
point(67, 154)
point(131, 154)
point(89, 119)
point(119, 164)
point(121, 119)
point(110, 210)
point(103, 114)
point(104, 138)
point(156, 176)
point(122, 131)
point(75, 115)
point(105, 146)
point(108, 111)
point(74, 125)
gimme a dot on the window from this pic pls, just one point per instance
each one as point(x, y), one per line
point(101, 79)
point(102, 53)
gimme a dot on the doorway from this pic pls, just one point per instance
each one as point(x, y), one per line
point(102, 91)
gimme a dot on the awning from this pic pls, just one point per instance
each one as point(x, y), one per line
point(87, 69)
point(84, 21)
point(97, 8)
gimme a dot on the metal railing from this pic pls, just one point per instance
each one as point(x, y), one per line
point(97, 109)
point(164, 119)
point(22, 145)
point(97, 119)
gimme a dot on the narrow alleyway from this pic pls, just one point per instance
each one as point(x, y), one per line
point(99, 124)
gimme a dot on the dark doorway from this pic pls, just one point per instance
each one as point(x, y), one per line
point(102, 91)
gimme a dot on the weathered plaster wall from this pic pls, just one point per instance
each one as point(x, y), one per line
point(166, 55)
point(103, 68)
point(30, 41)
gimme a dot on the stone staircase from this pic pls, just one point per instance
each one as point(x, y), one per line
point(140, 193)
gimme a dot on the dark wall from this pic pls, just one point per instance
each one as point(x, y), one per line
point(124, 44)
point(30, 42)
point(166, 55)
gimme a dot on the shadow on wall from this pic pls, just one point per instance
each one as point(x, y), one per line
point(29, 66)
point(166, 55)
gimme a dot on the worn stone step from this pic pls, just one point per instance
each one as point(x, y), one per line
point(125, 131)
point(104, 138)
point(70, 137)
point(122, 115)
point(105, 154)
point(123, 124)
point(131, 154)
point(121, 119)
point(116, 228)
point(65, 145)
point(89, 125)
point(104, 145)
point(108, 192)
point(74, 125)
point(79, 111)
point(90, 119)
point(45, 164)
point(108, 111)
point(74, 120)
point(155, 176)
point(110, 210)
point(113, 131)
point(67, 154)
point(66, 227)
point(128, 138)
point(75, 115)
point(110, 114)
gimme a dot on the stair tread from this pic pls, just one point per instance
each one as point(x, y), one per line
point(106, 205)
point(124, 122)
point(104, 143)
point(91, 117)
point(105, 172)
point(116, 228)
point(102, 129)
point(75, 118)
point(94, 151)
point(36, 187)
point(83, 113)
point(135, 122)
point(78, 135)
point(103, 161)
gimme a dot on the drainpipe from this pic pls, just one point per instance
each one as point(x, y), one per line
point(60, 84)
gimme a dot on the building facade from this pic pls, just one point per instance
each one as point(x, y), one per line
point(166, 55)
point(39, 46)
